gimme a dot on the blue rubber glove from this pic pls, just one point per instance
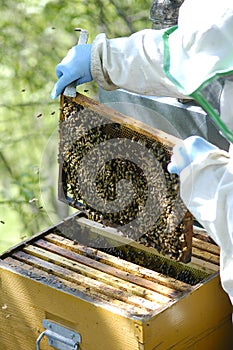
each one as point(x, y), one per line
point(193, 148)
point(75, 66)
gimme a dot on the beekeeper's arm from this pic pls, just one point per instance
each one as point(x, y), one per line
point(206, 180)
point(134, 63)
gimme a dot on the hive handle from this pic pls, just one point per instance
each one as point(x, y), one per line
point(59, 337)
point(39, 339)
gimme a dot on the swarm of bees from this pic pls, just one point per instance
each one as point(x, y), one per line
point(119, 177)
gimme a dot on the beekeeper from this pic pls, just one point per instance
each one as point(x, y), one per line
point(192, 59)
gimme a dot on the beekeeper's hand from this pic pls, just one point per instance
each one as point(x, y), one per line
point(194, 148)
point(75, 66)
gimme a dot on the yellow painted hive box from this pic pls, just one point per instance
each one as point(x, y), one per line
point(60, 293)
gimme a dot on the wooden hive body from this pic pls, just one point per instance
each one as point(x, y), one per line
point(112, 303)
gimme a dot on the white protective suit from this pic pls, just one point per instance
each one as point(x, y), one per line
point(202, 42)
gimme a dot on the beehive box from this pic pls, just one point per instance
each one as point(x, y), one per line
point(124, 296)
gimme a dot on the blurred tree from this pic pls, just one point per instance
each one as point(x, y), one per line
point(34, 36)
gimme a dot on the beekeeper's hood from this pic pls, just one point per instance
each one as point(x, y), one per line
point(200, 49)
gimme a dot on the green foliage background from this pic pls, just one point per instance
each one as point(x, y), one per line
point(34, 36)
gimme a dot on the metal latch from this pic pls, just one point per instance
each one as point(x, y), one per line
point(59, 337)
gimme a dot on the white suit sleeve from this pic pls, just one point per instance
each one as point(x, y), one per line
point(134, 63)
point(207, 190)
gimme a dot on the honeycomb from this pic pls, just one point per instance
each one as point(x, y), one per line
point(116, 173)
